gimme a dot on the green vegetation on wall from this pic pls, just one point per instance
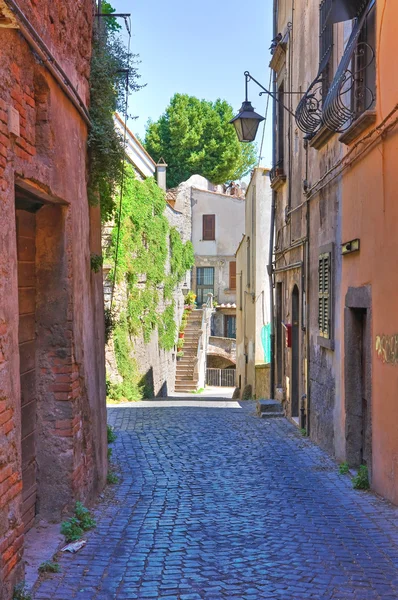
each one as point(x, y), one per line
point(146, 241)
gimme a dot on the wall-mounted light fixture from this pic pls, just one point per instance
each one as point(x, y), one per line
point(247, 121)
point(349, 247)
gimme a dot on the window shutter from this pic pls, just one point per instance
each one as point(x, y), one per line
point(324, 295)
point(209, 227)
point(232, 275)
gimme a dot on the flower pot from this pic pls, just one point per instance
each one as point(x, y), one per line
point(181, 335)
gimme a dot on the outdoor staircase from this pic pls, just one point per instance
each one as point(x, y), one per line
point(186, 378)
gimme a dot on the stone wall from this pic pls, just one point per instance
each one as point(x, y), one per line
point(263, 372)
point(65, 382)
point(156, 366)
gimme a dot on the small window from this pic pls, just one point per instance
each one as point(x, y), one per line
point(240, 291)
point(230, 326)
point(232, 275)
point(209, 227)
point(324, 295)
point(280, 124)
point(363, 92)
point(325, 45)
point(204, 284)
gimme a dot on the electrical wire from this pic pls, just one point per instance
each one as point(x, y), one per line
point(346, 162)
point(124, 163)
point(265, 120)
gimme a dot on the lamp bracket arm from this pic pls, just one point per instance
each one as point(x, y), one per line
point(249, 77)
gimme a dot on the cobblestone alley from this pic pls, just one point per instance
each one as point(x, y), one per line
point(216, 503)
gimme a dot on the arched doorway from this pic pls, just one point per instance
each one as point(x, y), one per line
point(295, 351)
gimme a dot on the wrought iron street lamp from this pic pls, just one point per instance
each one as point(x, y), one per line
point(247, 120)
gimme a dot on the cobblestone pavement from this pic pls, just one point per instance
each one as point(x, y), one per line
point(217, 503)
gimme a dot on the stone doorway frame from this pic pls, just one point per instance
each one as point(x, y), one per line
point(358, 375)
point(53, 349)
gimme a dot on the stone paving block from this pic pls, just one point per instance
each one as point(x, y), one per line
point(228, 506)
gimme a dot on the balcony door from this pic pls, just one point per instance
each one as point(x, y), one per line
point(204, 284)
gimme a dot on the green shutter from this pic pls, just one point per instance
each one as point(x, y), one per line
point(324, 291)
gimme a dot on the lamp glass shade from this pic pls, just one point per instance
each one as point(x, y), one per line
point(185, 289)
point(246, 123)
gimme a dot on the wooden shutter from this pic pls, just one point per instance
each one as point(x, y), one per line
point(324, 299)
point(232, 275)
point(209, 227)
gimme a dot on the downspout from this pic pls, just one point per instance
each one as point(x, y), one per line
point(307, 297)
point(272, 227)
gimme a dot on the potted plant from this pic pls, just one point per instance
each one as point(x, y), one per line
point(190, 299)
point(180, 344)
point(181, 332)
point(180, 354)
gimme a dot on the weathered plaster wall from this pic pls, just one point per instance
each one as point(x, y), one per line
point(70, 388)
point(370, 212)
point(318, 371)
point(252, 280)
point(229, 214)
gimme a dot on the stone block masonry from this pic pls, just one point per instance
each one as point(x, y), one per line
point(52, 368)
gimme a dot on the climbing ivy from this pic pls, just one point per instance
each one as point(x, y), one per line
point(145, 238)
point(130, 388)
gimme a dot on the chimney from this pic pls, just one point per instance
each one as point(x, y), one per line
point(161, 173)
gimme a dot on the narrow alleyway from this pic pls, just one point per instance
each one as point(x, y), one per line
point(216, 503)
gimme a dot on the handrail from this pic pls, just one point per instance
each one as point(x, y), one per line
point(206, 307)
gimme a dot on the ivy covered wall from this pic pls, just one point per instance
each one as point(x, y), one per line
point(151, 261)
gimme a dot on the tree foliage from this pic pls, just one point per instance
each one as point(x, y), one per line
point(194, 137)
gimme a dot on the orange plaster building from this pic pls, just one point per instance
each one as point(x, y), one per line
point(369, 287)
point(335, 182)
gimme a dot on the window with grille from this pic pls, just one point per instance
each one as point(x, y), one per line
point(232, 275)
point(325, 45)
point(363, 91)
point(324, 295)
point(204, 284)
point(209, 227)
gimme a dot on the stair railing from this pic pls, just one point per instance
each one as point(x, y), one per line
point(203, 341)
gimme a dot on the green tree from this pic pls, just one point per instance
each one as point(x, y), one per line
point(194, 137)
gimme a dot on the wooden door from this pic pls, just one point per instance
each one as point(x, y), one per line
point(26, 248)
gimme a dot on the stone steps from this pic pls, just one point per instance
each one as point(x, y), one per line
point(269, 409)
point(185, 370)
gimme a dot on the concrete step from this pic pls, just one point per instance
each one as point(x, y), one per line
point(186, 389)
point(269, 408)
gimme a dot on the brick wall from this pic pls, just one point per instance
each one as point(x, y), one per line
point(69, 339)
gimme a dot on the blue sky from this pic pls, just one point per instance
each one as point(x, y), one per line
point(199, 48)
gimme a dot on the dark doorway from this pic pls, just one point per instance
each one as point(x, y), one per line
point(357, 367)
point(279, 335)
point(26, 253)
point(295, 351)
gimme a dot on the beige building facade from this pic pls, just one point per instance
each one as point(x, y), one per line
point(217, 227)
point(253, 290)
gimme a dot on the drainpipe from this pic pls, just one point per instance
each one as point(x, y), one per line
point(272, 227)
point(307, 296)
